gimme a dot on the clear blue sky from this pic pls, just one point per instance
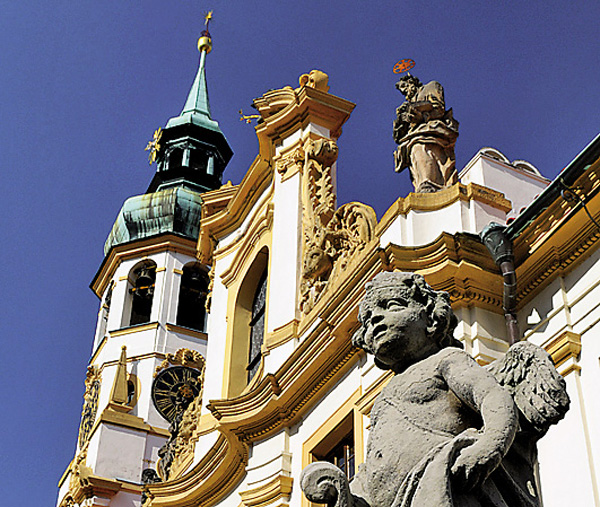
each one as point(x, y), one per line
point(84, 84)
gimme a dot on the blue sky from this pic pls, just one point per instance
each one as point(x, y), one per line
point(83, 85)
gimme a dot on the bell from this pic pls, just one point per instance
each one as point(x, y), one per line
point(144, 283)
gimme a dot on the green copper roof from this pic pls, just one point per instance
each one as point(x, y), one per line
point(175, 210)
point(197, 107)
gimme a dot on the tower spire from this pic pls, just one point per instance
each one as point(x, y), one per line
point(197, 101)
point(193, 149)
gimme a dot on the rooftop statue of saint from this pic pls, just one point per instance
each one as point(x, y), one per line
point(425, 134)
point(445, 432)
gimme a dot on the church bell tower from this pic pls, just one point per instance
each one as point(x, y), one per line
point(152, 312)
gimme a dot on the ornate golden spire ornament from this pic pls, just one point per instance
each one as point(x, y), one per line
point(153, 146)
point(205, 41)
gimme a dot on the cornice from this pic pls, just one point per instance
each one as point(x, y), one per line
point(439, 200)
point(262, 496)
point(261, 224)
point(194, 333)
point(138, 248)
point(559, 238)
point(257, 180)
point(213, 477)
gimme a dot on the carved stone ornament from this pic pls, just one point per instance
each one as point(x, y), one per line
point(331, 237)
point(425, 134)
point(183, 357)
point(184, 424)
point(90, 404)
point(444, 431)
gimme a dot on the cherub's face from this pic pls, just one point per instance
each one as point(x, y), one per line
point(396, 328)
point(408, 89)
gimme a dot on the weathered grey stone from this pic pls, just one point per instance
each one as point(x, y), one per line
point(445, 431)
point(426, 134)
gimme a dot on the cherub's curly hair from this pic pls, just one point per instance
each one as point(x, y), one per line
point(441, 320)
point(414, 79)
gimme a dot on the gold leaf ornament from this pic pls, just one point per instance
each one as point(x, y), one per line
point(153, 146)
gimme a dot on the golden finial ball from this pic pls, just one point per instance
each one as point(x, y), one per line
point(204, 44)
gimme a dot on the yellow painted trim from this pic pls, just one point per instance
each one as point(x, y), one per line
point(210, 480)
point(142, 249)
point(123, 278)
point(178, 271)
point(187, 331)
point(278, 488)
point(262, 224)
point(157, 355)
point(325, 432)
point(565, 346)
point(281, 335)
point(99, 348)
point(133, 329)
point(127, 420)
point(241, 271)
point(158, 270)
point(439, 200)
point(65, 474)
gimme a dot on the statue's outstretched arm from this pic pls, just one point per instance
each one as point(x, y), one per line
point(323, 482)
point(479, 390)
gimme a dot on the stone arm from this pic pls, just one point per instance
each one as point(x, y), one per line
point(480, 391)
point(323, 482)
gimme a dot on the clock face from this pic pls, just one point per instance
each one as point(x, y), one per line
point(174, 388)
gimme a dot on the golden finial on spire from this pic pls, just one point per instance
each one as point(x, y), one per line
point(207, 18)
point(205, 42)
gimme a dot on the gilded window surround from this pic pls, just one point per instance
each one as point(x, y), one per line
point(254, 184)
point(258, 216)
point(140, 248)
point(347, 409)
point(261, 225)
point(277, 491)
point(237, 273)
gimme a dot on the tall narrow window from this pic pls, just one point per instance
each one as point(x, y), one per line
point(257, 326)
point(342, 456)
point(192, 297)
point(142, 293)
point(338, 446)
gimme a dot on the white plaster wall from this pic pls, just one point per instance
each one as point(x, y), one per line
point(418, 228)
point(519, 186)
point(563, 459)
point(125, 499)
point(284, 259)
point(268, 459)
point(217, 332)
point(120, 453)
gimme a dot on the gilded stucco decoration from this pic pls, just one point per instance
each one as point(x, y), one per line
point(183, 357)
point(331, 237)
point(90, 404)
point(178, 451)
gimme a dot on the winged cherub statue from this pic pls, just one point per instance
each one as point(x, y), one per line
point(444, 431)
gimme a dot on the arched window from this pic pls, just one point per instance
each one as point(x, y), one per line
point(257, 326)
point(192, 297)
point(142, 292)
point(247, 332)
